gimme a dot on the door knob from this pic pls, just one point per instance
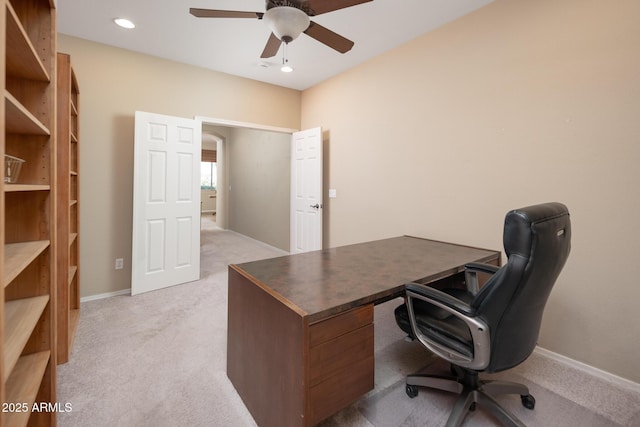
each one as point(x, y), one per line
point(316, 206)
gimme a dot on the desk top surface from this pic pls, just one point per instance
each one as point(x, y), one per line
point(322, 283)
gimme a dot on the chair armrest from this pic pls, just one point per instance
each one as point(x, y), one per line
point(471, 271)
point(433, 295)
point(479, 330)
point(481, 267)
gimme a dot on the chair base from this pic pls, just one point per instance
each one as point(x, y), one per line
point(472, 391)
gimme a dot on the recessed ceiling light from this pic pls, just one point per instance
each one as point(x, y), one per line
point(124, 23)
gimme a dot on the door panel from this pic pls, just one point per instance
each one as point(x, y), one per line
point(155, 245)
point(185, 225)
point(306, 191)
point(166, 211)
point(185, 174)
point(157, 177)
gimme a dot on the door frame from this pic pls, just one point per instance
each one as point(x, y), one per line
point(221, 160)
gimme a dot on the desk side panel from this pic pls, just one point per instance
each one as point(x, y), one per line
point(265, 353)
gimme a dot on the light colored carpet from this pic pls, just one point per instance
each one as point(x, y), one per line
point(159, 359)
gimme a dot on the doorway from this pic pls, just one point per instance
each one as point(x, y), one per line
point(209, 177)
point(253, 179)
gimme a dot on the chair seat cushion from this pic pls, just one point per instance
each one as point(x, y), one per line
point(438, 324)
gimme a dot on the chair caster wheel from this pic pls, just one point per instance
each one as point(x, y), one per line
point(412, 390)
point(528, 401)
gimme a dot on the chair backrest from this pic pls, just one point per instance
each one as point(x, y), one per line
point(537, 241)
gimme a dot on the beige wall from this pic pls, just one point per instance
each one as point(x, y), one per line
point(259, 166)
point(518, 103)
point(114, 83)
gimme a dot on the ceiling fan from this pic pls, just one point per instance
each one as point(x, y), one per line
point(288, 18)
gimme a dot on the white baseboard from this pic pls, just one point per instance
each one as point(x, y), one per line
point(590, 370)
point(106, 295)
point(266, 245)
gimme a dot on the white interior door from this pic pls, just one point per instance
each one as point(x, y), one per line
point(306, 191)
point(166, 202)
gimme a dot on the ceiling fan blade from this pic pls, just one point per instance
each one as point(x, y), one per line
point(211, 13)
point(272, 47)
point(324, 6)
point(328, 37)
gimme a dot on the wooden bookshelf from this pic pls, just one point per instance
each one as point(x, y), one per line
point(27, 210)
point(18, 256)
point(20, 119)
point(67, 206)
point(8, 188)
point(22, 59)
point(21, 317)
point(30, 367)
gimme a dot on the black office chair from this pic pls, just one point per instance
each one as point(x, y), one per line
point(494, 327)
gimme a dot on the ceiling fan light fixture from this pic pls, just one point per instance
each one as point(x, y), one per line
point(286, 68)
point(286, 22)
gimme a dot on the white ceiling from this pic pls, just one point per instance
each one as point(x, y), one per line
point(164, 28)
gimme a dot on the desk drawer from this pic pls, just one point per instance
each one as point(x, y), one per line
point(340, 390)
point(340, 354)
point(341, 364)
point(339, 325)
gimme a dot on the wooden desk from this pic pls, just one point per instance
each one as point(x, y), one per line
point(300, 327)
